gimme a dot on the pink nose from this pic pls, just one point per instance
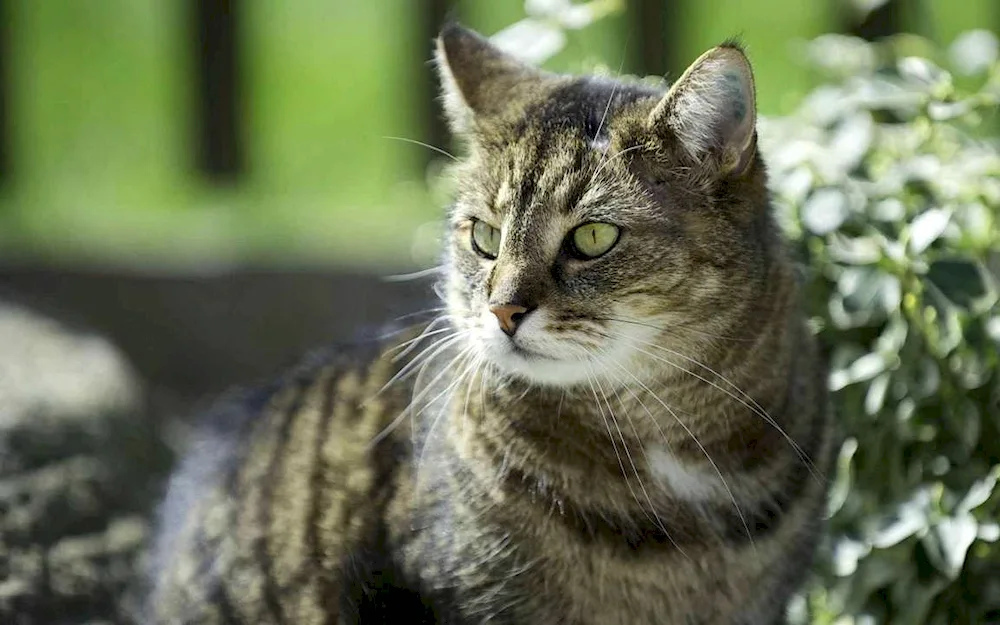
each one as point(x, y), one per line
point(509, 316)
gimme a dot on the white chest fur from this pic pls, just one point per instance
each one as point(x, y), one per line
point(691, 483)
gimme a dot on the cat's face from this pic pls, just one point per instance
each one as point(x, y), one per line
point(596, 221)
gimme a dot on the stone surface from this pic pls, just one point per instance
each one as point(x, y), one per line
point(81, 464)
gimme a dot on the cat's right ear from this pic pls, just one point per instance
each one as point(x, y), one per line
point(711, 110)
point(478, 80)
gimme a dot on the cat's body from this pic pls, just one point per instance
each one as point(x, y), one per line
point(622, 421)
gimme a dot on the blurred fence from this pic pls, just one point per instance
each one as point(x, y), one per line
point(216, 36)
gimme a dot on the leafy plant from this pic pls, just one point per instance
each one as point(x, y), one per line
point(894, 204)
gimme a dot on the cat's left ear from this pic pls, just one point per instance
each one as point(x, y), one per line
point(478, 80)
point(712, 112)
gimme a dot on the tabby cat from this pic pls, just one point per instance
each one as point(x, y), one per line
point(620, 419)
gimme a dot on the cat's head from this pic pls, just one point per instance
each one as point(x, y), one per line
point(595, 217)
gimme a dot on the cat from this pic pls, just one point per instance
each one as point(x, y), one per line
point(620, 418)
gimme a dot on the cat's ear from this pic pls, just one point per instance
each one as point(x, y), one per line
point(478, 80)
point(712, 112)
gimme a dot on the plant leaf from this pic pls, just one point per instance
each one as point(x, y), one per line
point(960, 280)
point(948, 542)
point(927, 227)
point(825, 211)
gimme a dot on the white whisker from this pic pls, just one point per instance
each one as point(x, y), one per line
point(440, 345)
point(748, 402)
point(655, 518)
point(677, 330)
point(652, 509)
point(426, 145)
point(607, 108)
point(607, 161)
point(406, 347)
point(477, 362)
point(420, 360)
point(445, 411)
point(414, 275)
point(708, 456)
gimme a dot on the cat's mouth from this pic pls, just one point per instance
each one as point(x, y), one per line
point(534, 353)
point(524, 352)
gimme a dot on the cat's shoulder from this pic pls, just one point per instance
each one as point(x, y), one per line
point(217, 439)
point(353, 365)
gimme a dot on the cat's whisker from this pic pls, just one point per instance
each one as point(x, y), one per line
point(407, 370)
point(443, 344)
point(419, 395)
point(747, 401)
point(655, 518)
point(527, 389)
point(604, 117)
point(461, 358)
point(482, 390)
point(705, 367)
point(607, 161)
point(635, 431)
point(607, 107)
point(676, 330)
point(448, 390)
point(401, 350)
point(390, 334)
point(651, 514)
point(416, 313)
point(426, 145)
point(697, 442)
point(649, 413)
point(607, 426)
point(478, 363)
point(414, 275)
point(434, 348)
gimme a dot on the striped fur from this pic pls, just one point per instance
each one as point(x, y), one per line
point(649, 447)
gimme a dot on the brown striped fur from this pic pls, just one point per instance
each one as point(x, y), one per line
point(648, 447)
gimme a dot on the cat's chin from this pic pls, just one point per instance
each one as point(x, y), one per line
point(551, 367)
point(541, 370)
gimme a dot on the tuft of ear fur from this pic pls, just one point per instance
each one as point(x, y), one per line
point(712, 111)
point(478, 80)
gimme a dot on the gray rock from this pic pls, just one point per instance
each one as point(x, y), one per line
point(81, 464)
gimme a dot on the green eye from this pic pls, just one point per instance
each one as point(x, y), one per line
point(485, 239)
point(594, 239)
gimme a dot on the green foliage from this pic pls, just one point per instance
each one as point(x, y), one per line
point(892, 197)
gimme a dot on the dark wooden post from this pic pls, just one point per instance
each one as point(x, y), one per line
point(649, 36)
point(883, 21)
point(432, 15)
point(218, 112)
point(5, 93)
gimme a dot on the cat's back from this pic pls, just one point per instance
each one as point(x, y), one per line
point(283, 496)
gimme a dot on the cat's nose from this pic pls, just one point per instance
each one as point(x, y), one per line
point(510, 316)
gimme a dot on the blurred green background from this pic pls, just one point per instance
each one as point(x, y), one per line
point(102, 129)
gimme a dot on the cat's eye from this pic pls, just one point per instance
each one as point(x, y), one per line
point(485, 239)
point(594, 239)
